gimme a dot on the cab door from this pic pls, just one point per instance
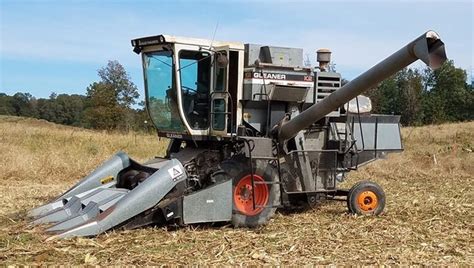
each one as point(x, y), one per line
point(220, 93)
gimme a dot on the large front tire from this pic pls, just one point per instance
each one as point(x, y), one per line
point(267, 196)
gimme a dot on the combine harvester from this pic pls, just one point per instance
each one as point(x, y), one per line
point(251, 130)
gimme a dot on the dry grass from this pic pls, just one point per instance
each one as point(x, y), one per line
point(428, 218)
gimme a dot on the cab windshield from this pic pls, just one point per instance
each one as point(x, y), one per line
point(161, 98)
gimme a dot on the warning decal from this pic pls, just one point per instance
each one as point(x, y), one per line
point(175, 172)
point(107, 179)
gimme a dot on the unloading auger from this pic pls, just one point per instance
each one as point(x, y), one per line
point(250, 130)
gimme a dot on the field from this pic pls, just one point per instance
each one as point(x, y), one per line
point(428, 217)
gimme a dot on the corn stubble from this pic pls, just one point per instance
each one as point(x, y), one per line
point(428, 217)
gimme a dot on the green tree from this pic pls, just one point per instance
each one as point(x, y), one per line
point(6, 105)
point(410, 90)
point(71, 107)
point(109, 101)
point(47, 109)
point(24, 105)
point(62, 109)
point(141, 119)
point(126, 91)
point(386, 98)
point(104, 111)
point(447, 96)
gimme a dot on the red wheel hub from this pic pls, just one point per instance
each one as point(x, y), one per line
point(244, 194)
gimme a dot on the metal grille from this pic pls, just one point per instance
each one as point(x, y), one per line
point(325, 84)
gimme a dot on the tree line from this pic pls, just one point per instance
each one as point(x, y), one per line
point(110, 103)
point(425, 96)
point(420, 96)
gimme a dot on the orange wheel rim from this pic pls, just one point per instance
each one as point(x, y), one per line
point(244, 194)
point(367, 201)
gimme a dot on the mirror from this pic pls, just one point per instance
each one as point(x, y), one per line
point(221, 60)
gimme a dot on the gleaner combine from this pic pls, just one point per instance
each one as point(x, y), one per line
point(250, 130)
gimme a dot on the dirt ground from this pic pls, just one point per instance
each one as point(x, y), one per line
point(428, 218)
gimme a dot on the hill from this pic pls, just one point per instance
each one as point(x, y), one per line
point(428, 217)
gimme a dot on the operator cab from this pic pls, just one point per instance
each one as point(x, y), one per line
point(191, 85)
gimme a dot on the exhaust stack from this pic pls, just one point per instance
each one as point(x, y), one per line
point(428, 47)
point(323, 56)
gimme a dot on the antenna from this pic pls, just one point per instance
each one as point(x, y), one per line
point(214, 35)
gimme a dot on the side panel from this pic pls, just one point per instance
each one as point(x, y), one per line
point(209, 205)
point(377, 132)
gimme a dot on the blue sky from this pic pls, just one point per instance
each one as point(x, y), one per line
point(58, 46)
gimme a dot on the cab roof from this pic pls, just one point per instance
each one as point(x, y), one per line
point(139, 43)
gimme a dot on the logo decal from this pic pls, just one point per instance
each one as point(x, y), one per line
point(174, 136)
point(279, 76)
point(175, 172)
point(269, 76)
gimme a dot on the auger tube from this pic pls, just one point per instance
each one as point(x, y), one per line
point(428, 47)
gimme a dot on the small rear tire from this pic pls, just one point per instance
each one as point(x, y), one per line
point(366, 198)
